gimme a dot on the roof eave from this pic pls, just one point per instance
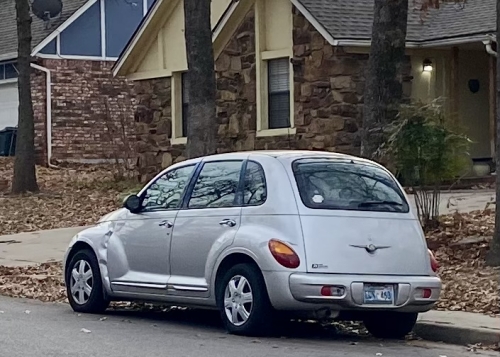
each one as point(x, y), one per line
point(314, 22)
point(419, 44)
point(8, 56)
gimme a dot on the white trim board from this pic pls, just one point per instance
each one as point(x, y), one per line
point(136, 37)
point(75, 57)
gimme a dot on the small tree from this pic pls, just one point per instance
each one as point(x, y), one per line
point(426, 149)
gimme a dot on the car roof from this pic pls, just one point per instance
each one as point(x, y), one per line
point(291, 154)
point(288, 155)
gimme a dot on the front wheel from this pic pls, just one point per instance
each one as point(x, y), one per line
point(392, 325)
point(84, 285)
point(244, 303)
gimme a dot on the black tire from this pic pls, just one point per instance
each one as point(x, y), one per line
point(389, 324)
point(262, 317)
point(97, 302)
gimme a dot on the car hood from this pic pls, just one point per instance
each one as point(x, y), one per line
point(112, 216)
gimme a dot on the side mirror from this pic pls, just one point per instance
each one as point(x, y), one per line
point(132, 203)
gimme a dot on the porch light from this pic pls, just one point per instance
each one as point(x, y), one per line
point(427, 65)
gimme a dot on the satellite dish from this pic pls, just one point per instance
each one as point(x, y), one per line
point(46, 10)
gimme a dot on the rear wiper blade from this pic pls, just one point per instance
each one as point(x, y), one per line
point(374, 203)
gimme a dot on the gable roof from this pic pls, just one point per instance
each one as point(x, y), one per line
point(352, 20)
point(8, 26)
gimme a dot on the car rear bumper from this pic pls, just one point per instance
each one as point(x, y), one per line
point(303, 291)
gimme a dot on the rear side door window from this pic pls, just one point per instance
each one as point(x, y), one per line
point(217, 185)
point(254, 186)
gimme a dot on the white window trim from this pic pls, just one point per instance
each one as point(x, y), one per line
point(74, 57)
point(262, 78)
point(176, 96)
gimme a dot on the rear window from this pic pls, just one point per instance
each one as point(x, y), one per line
point(347, 185)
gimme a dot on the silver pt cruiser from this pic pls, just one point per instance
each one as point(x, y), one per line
point(255, 234)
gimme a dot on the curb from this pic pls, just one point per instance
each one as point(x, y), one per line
point(449, 333)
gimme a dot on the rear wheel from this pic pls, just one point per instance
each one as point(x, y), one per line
point(393, 325)
point(244, 303)
point(84, 285)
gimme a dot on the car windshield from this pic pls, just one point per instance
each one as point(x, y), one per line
point(347, 185)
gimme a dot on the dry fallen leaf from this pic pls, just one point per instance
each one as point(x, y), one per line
point(77, 195)
point(84, 330)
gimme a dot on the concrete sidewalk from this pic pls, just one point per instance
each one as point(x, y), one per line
point(457, 327)
point(36, 247)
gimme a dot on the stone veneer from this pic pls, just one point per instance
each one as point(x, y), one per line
point(92, 112)
point(328, 87)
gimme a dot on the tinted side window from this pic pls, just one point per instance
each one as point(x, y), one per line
point(216, 185)
point(166, 192)
point(255, 189)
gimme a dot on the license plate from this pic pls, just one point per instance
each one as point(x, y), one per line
point(379, 294)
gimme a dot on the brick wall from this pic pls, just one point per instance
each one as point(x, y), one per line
point(92, 112)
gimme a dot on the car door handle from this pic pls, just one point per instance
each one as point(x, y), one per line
point(166, 224)
point(228, 222)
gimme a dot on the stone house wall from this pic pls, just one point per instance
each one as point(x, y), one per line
point(92, 112)
point(328, 96)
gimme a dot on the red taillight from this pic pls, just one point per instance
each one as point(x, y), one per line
point(434, 262)
point(283, 254)
point(426, 293)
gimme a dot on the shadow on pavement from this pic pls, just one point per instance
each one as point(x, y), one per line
point(210, 321)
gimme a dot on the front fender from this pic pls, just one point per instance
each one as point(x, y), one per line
point(96, 238)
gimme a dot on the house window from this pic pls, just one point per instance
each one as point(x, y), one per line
point(185, 104)
point(278, 71)
point(8, 71)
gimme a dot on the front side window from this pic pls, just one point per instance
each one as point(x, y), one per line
point(279, 93)
point(216, 185)
point(254, 189)
point(166, 192)
point(346, 185)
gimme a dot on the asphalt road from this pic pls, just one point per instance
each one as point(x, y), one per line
point(30, 328)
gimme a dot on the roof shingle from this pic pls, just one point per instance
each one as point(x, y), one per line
point(8, 29)
point(352, 19)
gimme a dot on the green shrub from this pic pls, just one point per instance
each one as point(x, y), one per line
point(425, 149)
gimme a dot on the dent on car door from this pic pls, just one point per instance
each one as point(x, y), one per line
point(138, 249)
point(207, 223)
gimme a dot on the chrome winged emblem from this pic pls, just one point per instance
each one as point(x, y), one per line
point(370, 248)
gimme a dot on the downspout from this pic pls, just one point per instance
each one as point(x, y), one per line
point(489, 48)
point(48, 84)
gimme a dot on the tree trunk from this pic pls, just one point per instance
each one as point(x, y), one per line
point(24, 179)
point(493, 257)
point(384, 88)
point(202, 121)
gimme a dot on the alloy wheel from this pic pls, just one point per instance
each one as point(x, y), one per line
point(238, 300)
point(82, 282)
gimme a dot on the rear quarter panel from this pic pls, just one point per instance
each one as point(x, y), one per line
point(277, 218)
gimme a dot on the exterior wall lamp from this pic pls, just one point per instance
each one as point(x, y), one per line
point(427, 65)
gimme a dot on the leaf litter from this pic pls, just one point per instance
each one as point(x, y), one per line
point(80, 195)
